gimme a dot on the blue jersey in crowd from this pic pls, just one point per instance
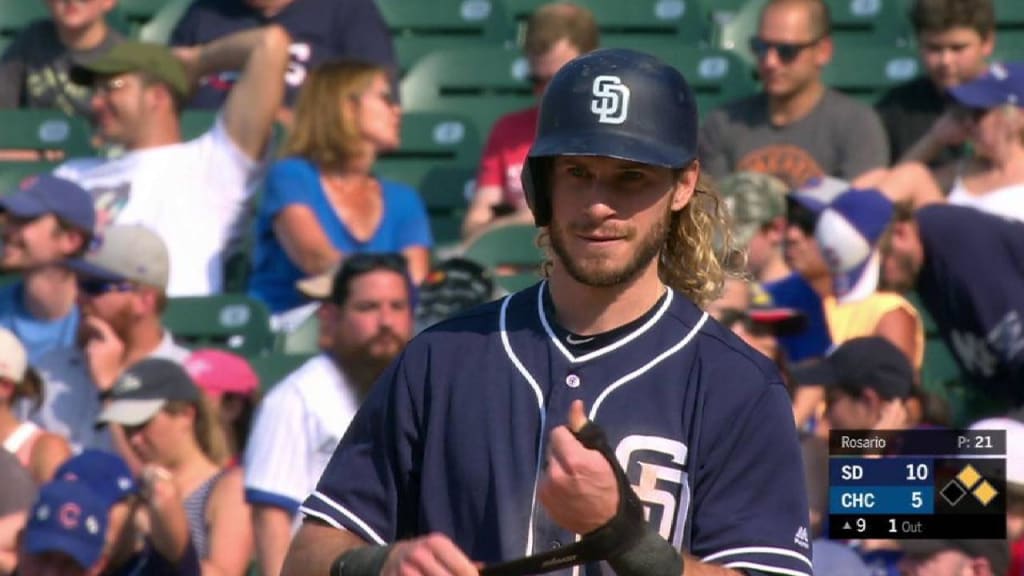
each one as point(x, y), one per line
point(404, 224)
point(453, 437)
point(972, 283)
point(38, 335)
point(321, 30)
point(794, 292)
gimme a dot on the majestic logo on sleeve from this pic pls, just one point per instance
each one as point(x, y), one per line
point(655, 465)
point(611, 100)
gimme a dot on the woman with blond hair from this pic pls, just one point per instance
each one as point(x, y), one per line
point(40, 452)
point(322, 201)
point(170, 426)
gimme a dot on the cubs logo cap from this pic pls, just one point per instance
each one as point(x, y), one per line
point(68, 518)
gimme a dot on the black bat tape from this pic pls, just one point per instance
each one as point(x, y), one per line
point(620, 533)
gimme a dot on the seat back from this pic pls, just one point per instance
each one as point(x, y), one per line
point(230, 321)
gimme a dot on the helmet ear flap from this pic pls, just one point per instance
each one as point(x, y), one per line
point(535, 178)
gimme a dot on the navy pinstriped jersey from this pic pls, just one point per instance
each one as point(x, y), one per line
point(453, 437)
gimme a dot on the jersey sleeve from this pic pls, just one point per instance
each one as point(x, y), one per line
point(368, 487)
point(750, 508)
point(275, 457)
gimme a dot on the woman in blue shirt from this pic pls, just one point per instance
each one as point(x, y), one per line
point(322, 201)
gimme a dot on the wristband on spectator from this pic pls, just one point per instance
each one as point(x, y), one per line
point(362, 561)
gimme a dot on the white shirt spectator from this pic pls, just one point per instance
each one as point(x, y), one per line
point(193, 194)
point(71, 401)
point(298, 425)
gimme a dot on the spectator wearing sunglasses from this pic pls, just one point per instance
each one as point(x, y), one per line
point(796, 128)
point(34, 67)
point(954, 40)
point(44, 221)
point(122, 293)
point(991, 110)
point(323, 203)
point(555, 34)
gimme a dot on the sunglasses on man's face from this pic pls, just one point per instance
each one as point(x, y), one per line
point(786, 51)
point(100, 287)
point(801, 218)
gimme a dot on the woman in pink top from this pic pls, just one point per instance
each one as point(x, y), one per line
point(38, 451)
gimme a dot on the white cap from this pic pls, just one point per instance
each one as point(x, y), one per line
point(13, 358)
point(1014, 445)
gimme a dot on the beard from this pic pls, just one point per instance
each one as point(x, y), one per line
point(366, 361)
point(602, 271)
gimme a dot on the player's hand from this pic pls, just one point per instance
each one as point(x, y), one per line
point(578, 490)
point(104, 352)
point(431, 555)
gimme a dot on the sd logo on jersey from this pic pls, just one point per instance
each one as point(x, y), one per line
point(655, 467)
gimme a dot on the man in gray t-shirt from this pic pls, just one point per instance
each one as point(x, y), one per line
point(796, 128)
point(34, 67)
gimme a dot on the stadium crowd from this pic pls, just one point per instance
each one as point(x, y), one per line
point(875, 242)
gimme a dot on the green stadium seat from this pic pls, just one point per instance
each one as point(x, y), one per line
point(15, 15)
point(430, 139)
point(686, 18)
point(195, 123)
point(45, 131)
point(446, 192)
point(734, 24)
point(881, 22)
point(481, 84)
point(511, 253)
point(158, 28)
point(1009, 15)
point(452, 18)
point(231, 321)
point(12, 173)
point(303, 339)
point(139, 12)
point(275, 366)
point(716, 75)
point(866, 70)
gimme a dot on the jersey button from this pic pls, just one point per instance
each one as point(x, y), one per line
point(572, 381)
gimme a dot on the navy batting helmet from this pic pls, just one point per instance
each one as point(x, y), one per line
point(616, 103)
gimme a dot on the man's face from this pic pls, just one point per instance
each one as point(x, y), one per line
point(544, 66)
point(115, 303)
point(902, 257)
point(763, 247)
point(120, 105)
point(785, 75)
point(31, 242)
point(375, 322)
point(610, 217)
point(954, 56)
point(78, 15)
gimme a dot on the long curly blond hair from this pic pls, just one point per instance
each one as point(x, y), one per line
point(698, 252)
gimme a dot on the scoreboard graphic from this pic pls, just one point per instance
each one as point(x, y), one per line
point(917, 484)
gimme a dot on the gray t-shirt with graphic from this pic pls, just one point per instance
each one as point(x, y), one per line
point(840, 137)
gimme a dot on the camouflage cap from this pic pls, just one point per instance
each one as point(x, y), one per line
point(753, 200)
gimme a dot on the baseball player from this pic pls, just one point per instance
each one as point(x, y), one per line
point(598, 422)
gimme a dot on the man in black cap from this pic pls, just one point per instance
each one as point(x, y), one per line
point(45, 220)
point(955, 558)
point(867, 382)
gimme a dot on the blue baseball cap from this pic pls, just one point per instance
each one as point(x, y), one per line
point(817, 193)
point(47, 194)
point(1003, 83)
point(105, 473)
point(68, 518)
point(848, 232)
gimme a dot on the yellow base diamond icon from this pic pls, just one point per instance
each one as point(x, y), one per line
point(968, 476)
point(985, 493)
